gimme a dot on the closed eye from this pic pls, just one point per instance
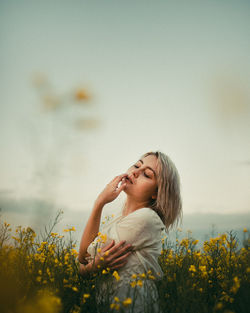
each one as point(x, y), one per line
point(144, 172)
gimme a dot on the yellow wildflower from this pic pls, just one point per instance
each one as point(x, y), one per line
point(86, 295)
point(133, 284)
point(151, 277)
point(115, 306)
point(192, 268)
point(219, 306)
point(139, 283)
point(127, 301)
point(116, 275)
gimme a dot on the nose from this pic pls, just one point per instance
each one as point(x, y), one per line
point(135, 172)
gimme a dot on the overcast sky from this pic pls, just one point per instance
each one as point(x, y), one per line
point(161, 75)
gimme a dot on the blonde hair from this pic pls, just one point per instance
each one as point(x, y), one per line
point(168, 204)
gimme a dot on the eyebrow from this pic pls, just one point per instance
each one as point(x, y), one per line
point(149, 168)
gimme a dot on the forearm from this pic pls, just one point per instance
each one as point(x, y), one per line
point(91, 230)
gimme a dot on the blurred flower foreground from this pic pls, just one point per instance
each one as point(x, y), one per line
point(42, 275)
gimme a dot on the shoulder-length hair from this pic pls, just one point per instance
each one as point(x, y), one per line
point(168, 203)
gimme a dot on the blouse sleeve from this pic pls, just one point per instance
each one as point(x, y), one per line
point(142, 228)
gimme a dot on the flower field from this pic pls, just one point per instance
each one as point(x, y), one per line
point(42, 275)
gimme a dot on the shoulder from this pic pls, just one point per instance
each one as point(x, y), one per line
point(150, 217)
point(145, 217)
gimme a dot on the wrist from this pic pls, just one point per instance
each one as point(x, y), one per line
point(99, 204)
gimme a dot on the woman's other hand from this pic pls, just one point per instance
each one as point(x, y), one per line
point(111, 191)
point(113, 256)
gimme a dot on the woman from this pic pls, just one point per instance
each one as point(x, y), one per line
point(153, 204)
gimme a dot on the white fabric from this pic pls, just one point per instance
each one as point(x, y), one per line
point(143, 229)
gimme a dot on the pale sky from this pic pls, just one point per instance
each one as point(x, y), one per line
point(163, 75)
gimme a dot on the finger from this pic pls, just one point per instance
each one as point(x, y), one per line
point(119, 177)
point(121, 187)
point(108, 246)
point(118, 265)
point(121, 259)
point(117, 247)
point(122, 252)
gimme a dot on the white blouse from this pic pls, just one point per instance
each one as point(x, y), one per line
point(143, 229)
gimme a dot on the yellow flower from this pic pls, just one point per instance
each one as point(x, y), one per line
point(75, 289)
point(192, 268)
point(104, 272)
point(134, 276)
point(139, 283)
point(133, 284)
point(116, 275)
point(81, 94)
point(219, 306)
point(39, 278)
point(149, 272)
point(106, 253)
point(245, 230)
point(143, 275)
point(115, 306)
point(102, 258)
point(127, 301)
point(86, 295)
point(151, 277)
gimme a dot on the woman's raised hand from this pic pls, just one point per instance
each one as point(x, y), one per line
point(111, 191)
point(113, 256)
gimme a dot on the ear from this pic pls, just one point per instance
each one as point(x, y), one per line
point(154, 196)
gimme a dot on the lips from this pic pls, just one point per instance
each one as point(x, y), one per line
point(129, 179)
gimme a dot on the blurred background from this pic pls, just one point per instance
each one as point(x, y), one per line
point(87, 87)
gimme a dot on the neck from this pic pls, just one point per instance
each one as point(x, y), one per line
point(132, 205)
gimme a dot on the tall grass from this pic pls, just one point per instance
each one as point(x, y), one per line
point(42, 275)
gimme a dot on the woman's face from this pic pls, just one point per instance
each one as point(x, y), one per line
point(142, 179)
